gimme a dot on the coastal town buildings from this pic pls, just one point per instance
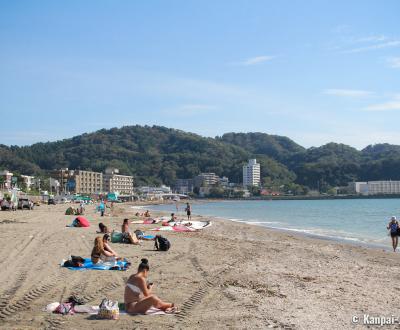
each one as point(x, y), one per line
point(79, 181)
point(375, 187)
point(88, 182)
point(28, 181)
point(115, 182)
point(184, 186)
point(251, 173)
point(205, 180)
point(5, 180)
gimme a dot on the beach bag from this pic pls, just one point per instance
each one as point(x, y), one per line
point(108, 310)
point(116, 237)
point(139, 233)
point(64, 309)
point(161, 243)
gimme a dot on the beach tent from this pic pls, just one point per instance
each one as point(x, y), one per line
point(83, 222)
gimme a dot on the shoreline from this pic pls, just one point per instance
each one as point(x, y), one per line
point(296, 232)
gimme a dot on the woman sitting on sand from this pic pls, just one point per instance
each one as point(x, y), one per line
point(127, 237)
point(394, 227)
point(138, 296)
point(100, 254)
point(147, 214)
point(106, 239)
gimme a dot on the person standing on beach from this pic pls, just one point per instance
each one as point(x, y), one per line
point(102, 208)
point(393, 226)
point(188, 211)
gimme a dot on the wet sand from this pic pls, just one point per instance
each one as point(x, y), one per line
point(230, 275)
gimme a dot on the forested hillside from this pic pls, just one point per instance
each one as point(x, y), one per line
point(157, 154)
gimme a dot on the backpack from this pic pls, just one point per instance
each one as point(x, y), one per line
point(161, 243)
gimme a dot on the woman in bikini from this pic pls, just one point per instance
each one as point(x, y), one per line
point(100, 254)
point(127, 237)
point(138, 296)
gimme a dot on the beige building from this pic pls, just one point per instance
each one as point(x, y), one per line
point(114, 182)
point(78, 181)
point(88, 182)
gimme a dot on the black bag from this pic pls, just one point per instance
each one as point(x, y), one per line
point(161, 243)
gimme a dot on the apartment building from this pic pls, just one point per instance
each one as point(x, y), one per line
point(78, 181)
point(114, 182)
point(251, 173)
point(88, 182)
point(376, 187)
point(205, 180)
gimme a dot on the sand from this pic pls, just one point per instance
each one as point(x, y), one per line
point(230, 275)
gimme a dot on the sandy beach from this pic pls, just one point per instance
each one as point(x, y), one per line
point(230, 275)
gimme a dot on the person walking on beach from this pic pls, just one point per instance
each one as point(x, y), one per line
point(188, 211)
point(102, 208)
point(393, 226)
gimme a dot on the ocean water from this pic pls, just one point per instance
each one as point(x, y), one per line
point(356, 220)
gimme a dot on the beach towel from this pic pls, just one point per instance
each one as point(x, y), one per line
point(184, 226)
point(116, 237)
point(93, 310)
point(178, 228)
point(118, 265)
point(145, 222)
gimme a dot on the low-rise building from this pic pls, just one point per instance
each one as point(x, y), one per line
point(79, 181)
point(184, 186)
point(28, 181)
point(88, 182)
point(5, 180)
point(115, 182)
point(382, 187)
point(205, 180)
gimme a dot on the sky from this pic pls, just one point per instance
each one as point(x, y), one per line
point(315, 71)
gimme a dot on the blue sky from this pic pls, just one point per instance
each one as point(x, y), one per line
point(315, 71)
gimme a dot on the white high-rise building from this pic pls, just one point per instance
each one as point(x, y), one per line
point(251, 173)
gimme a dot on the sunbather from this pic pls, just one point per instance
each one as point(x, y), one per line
point(103, 228)
point(147, 214)
point(106, 240)
point(127, 237)
point(173, 218)
point(138, 296)
point(100, 254)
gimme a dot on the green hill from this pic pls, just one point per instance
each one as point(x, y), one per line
point(157, 154)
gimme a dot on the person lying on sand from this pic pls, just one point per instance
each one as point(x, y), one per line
point(173, 218)
point(127, 237)
point(100, 254)
point(138, 297)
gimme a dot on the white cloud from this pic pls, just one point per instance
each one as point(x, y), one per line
point(346, 43)
point(393, 62)
point(381, 45)
point(385, 106)
point(348, 92)
point(254, 60)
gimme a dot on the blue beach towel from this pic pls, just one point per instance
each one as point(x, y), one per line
point(122, 265)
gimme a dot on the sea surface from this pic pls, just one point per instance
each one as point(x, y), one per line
point(355, 220)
